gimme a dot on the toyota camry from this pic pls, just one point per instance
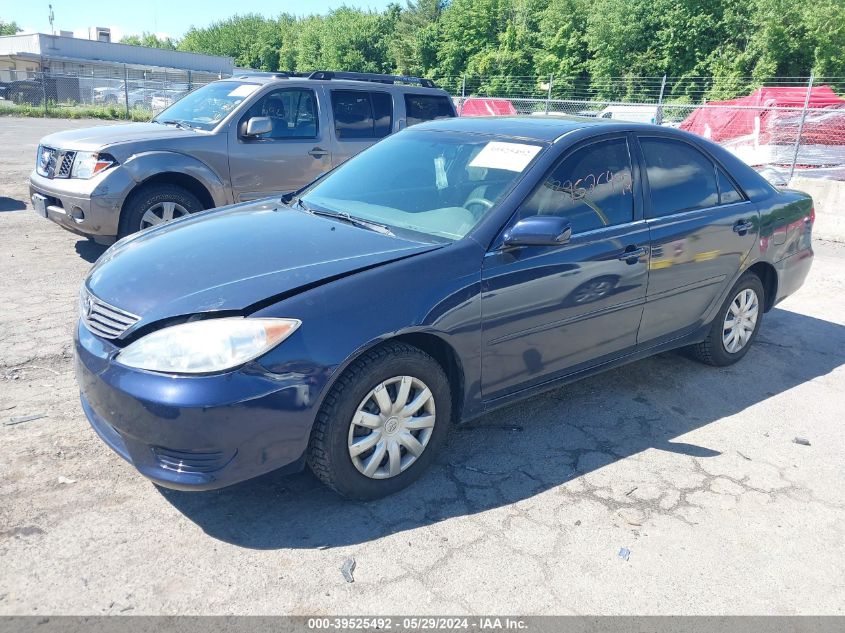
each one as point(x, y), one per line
point(455, 267)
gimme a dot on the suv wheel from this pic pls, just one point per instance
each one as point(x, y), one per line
point(156, 204)
point(382, 423)
point(736, 325)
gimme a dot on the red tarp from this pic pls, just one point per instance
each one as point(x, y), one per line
point(725, 123)
point(480, 106)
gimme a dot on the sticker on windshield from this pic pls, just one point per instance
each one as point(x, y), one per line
point(244, 90)
point(441, 179)
point(510, 156)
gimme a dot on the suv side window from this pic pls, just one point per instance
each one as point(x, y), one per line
point(293, 112)
point(361, 114)
point(680, 177)
point(592, 188)
point(419, 108)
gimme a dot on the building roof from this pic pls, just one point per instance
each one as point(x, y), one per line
point(38, 45)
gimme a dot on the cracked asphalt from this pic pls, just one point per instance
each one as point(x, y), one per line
point(693, 470)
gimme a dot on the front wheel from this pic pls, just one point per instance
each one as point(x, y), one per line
point(156, 204)
point(735, 326)
point(382, 423)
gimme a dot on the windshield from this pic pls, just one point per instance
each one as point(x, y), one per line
point(205, 107)
point(438, 183)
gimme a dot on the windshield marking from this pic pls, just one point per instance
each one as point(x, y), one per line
point(509, 156)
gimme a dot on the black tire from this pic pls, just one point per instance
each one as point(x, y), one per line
point(328, 450)
point(712, 350)
point(149, 195)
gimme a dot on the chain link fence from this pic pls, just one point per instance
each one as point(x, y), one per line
point(781, 126)
point(107, 92)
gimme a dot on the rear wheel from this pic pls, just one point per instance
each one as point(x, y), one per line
point(382, 422)
point(736, 325)
point(156, 204)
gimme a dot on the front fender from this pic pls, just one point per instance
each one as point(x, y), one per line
point(436, 293)
point(143, 166)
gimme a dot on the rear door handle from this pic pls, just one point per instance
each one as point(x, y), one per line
point(632, 254)
point(318, 152)
point(742, 227)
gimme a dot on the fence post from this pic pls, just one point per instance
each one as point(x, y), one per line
point(658, 119)
point(44, 89)
point(549, 93)
point(801, 127)
point(126, 89)
point(463, 93)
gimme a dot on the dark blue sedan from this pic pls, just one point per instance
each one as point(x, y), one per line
point(452, 268)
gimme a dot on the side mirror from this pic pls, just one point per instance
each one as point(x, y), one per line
point(538, 230)
point(258, 125)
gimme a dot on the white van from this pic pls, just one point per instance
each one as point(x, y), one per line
point(634, 113)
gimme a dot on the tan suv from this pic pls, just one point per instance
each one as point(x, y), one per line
point(251, 136)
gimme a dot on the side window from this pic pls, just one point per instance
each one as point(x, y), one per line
point(727, 192)
point(419, 108)
point(359, 114)
point(592, 188)
point(383, 113)
point(292, 111)
point(680, 177)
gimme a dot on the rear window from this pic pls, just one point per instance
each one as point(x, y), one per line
point(419, 108)
point(362, 114)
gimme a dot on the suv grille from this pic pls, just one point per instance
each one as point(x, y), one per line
point(67, 162)
point(103, 319)
point(54, 163)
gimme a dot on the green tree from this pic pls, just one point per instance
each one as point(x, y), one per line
point(605, 49)
point(9, 28)
point(151, 40)
point(825, 23)
point(413, 46)
point(252, 40)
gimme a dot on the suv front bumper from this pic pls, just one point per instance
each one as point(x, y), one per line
point(86, 207)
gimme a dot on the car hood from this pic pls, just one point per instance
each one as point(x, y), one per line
point(233, 258)
point(91, 139)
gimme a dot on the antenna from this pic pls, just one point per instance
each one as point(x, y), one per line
point(51, 18)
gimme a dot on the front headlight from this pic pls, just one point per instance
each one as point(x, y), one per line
point(89, 164)
point(206, 346)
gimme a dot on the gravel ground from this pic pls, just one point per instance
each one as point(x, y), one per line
point(694, 470)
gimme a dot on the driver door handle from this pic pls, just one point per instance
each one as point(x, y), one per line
point(632, 254)
point(318, 152)
point(742, 227)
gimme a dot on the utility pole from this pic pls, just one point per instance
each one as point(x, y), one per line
point(51, 18)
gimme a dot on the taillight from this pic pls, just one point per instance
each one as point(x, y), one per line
point(812, 217)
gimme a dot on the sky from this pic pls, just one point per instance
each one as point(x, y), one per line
point(166, 18)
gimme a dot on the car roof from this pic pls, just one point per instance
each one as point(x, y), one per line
point(548, 128)
point(545, 129)
point(271, 78)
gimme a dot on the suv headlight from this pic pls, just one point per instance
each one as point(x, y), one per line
point(202, 347)
point(89, 164)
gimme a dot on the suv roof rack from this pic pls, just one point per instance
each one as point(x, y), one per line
point(374, 77)
point(279, 74)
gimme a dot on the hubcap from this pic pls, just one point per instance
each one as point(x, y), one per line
point(391, 427)
point(740, 321)
point(162, 212)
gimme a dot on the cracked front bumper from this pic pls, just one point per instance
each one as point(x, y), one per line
point(90, 208)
